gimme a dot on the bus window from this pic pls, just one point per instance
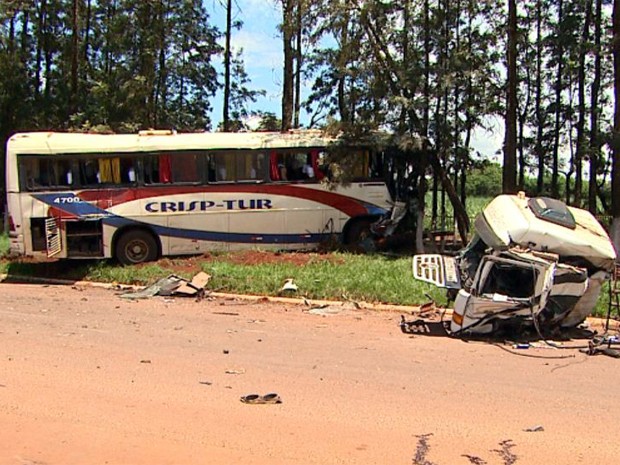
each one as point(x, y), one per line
point(251, 166)
point(360, 164)
point(157, 169)
point(184, 168)
point(42, 173)
point(320, 164)
point(222, 167)
point(109, 171)
point(376, 165)
point(167, 168)
point(294, 166)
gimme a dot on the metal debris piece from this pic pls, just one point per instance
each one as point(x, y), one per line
point(241, 371)
point(173, 286)
point(325, 310)
point(534, 429)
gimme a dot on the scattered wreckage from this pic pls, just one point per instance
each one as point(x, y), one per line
point(533, 262)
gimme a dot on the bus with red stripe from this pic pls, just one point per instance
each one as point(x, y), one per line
point(136, 197)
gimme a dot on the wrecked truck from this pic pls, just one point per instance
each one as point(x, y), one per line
point(533, 263)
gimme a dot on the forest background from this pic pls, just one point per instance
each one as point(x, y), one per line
point(549, 70)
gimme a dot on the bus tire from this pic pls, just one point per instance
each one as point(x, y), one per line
point(358, 233)
point(136, 246)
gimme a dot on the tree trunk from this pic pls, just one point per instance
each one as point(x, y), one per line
point(558, 105)
point(581, 84)
point(458, 155)
point(615, 172)
point(427, 68)
point(509, 172)
point(75, 51)
point(87, 28)
point(287, 82)
point(160, 86)
point(39, 52)
point(594, 151)
point(540, 155)
point(460, 214)
point(298, 63)
point(225, 116)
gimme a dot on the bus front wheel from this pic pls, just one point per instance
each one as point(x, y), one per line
point(136, 246)
point(359, 236)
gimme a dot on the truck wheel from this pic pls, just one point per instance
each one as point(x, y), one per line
point(136, 246)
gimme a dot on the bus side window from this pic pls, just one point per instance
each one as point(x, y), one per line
point(294, 166)
point(251, 166)
point(320, 164)
point(184, 168)
point(360, 168)
point(222, 166)
point(376, 165)
point(40, 173)
point(128, 170)
point(89, 172)
point(151, 169)
point(31, 173)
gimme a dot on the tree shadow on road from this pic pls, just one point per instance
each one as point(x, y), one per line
point(20, 271)
point(504, 452)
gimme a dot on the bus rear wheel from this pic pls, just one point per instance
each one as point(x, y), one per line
point(136, 246)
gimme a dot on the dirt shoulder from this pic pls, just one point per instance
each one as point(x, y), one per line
point(89, 378)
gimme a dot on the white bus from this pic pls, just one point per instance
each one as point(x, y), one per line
point(140, 196)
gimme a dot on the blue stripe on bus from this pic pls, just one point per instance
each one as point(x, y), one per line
point(373, 209)
point(72, 204)
point(216, 236)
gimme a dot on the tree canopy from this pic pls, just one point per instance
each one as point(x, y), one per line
point(439, 69)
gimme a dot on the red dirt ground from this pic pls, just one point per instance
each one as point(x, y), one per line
point(246, 257)
point(87, 377)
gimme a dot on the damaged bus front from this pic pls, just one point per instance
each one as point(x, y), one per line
point(532, 261)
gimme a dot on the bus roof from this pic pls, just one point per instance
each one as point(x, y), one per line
point(147, 141)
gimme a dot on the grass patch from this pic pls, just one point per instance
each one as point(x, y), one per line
point(4, 245)
point(338, 276)
point(369, 278)
point(473, 206)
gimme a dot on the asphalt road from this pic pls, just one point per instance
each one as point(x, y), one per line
point(89, 378)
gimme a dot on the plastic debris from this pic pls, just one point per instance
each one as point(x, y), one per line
point(289, 286)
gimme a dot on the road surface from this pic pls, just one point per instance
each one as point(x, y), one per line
point(89, 378)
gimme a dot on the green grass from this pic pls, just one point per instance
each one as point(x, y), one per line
point(473, 205)
point(4, 244)
point(339, 276)
point(370, 278)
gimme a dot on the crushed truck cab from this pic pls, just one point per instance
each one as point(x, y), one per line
point(532, 261)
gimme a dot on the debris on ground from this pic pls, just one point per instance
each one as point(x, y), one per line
point(603, 346)
point(288, 287)
point(173, 285)
point(325, 310)
point(240, 371)
point(271, 398)
point(534, 429)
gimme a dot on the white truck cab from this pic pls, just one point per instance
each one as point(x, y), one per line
point(530, 259)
